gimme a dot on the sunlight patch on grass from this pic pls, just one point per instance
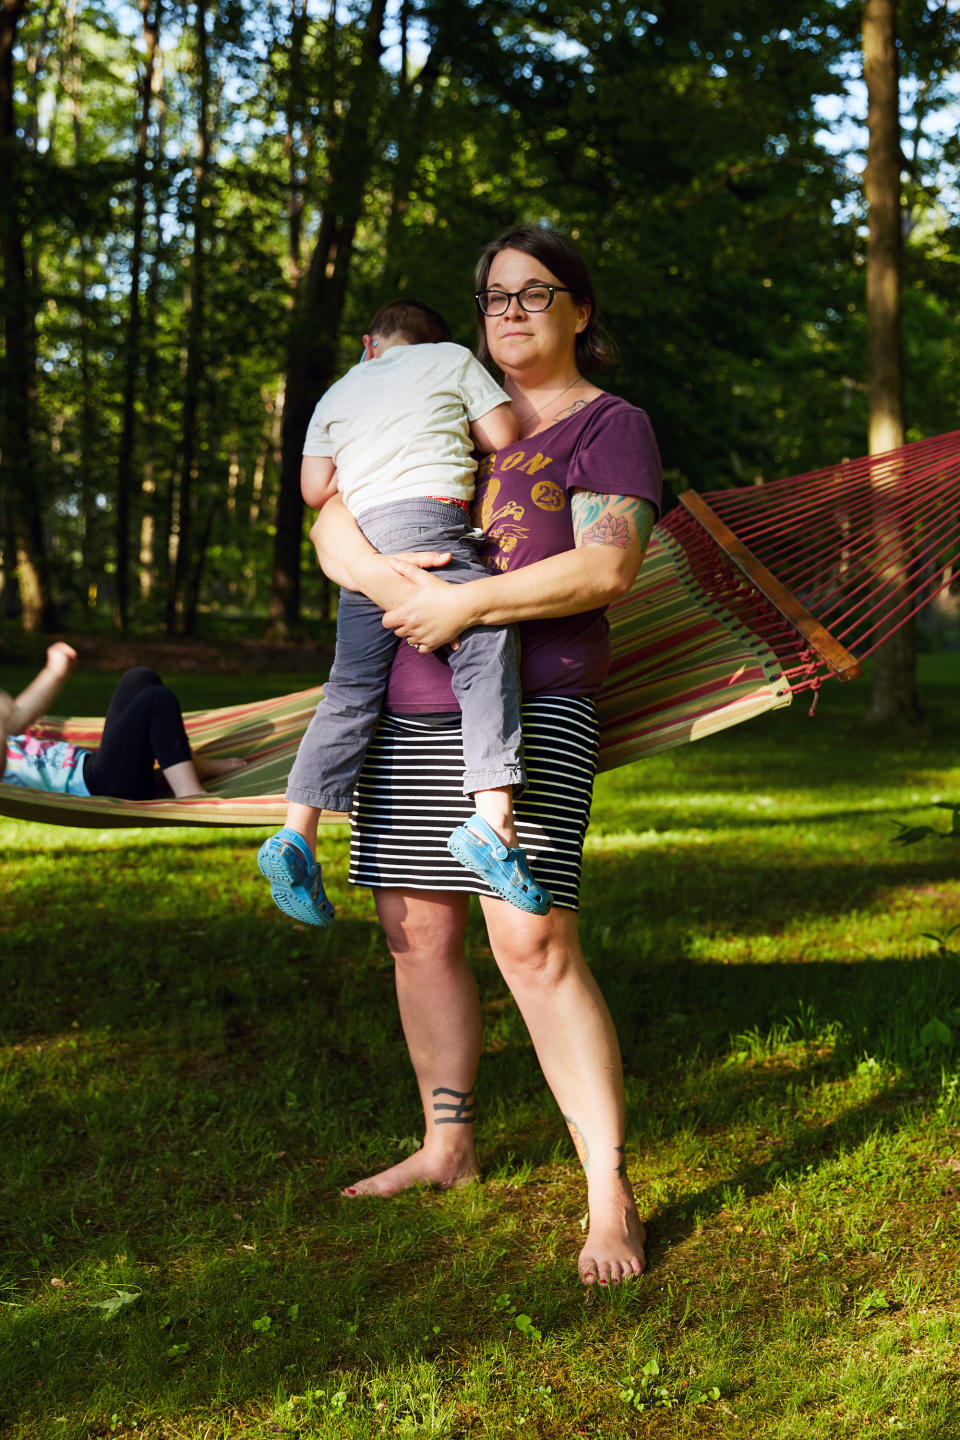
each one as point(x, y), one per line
point(187, 1079)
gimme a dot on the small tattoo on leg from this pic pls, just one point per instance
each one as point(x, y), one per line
point(622, 1163)
point(576, 1135)
point(461, 1104)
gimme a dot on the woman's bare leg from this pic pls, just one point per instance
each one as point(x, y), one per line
point(572, 1032)
point(440, 1013)
point(187, 777)
point(208, 767)
point(183, 779)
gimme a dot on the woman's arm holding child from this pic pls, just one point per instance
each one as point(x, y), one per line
point(611, 533)
point(343, 552)
point(345, 556)
point(351, 561)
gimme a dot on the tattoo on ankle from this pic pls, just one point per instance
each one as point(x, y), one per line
point(622, 1162)
point(576, 1134)
point(461, 1105)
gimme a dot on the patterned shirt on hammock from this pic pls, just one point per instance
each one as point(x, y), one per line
point(52, 765)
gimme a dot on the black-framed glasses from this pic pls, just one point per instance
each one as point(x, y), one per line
point(532, 298)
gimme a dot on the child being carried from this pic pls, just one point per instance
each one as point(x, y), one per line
point(395, 438)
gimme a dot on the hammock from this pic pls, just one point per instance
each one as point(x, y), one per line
point(746, 598)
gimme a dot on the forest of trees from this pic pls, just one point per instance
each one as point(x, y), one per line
point(202, 203)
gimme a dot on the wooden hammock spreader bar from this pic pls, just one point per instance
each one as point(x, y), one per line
point(844, 665)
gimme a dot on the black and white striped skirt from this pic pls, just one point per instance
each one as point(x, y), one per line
point(410, 797)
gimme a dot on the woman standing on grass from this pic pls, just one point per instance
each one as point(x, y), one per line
point(566, 513)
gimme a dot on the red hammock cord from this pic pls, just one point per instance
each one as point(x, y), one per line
point(863, 546)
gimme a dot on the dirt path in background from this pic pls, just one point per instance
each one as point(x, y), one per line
point(214, 657)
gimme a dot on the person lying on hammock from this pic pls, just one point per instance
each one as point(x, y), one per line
point(143, 729)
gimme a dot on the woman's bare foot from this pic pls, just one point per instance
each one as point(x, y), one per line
point(443, 1171)
point(614, 1246)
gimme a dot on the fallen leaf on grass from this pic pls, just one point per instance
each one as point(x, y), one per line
point(114, 1303)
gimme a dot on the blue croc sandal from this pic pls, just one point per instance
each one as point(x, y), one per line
point(506, 871)
point(294, 876)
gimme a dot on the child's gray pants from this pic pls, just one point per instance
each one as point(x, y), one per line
point(484, 671)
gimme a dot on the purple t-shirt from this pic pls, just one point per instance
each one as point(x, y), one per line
point(523, 505)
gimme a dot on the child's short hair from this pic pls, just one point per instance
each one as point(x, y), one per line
point(413, 321)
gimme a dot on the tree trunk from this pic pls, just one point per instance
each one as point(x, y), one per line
point(192, 605)
point(885, 243)
point(8, 575)
point(154, 537)
point(151, 33)
point(293, 141)
point(177, 593)
point(36, 64)
point(893, 699)
point(315, 319)
point(17, 437)
point(88, 482)
point(411, 118)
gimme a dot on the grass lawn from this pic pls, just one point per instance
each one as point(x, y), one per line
point(186, 1078)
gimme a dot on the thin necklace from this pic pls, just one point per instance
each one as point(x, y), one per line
point(575, 381)
point(540, 413)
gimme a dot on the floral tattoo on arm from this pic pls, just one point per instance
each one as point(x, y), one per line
point(617, 520)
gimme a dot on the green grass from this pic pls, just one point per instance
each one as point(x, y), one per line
point(186, 1079)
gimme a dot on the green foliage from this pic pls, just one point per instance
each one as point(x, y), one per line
point(652, 1392)
point(682, 145)
point(523, 1323)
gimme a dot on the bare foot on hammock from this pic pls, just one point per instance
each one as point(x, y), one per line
point(614, 1245)
point(441, 1171)
point(208, 768)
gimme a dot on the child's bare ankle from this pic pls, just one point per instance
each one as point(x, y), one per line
point(303, 819)
point(496, 808)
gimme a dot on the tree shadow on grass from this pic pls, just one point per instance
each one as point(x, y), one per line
point(876, 825)
point(231, 1065)
point(653, 898)
point(165, 927)
point(256, 1272)
point(809, 1147)
point(317, 1289)
point(94, 960)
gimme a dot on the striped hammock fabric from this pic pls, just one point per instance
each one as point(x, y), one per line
point(682, 668)
point(709, 635)
point(266, 734)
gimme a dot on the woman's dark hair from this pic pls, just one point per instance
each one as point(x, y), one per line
point(593, 349)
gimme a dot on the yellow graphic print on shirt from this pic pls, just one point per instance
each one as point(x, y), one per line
point(502, 524)
point(547, 496)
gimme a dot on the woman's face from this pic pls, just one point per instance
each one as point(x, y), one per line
point(532, 346)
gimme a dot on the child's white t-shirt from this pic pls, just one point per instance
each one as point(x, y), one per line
point(397, 427)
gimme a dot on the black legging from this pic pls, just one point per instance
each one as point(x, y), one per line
point(143, 725)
